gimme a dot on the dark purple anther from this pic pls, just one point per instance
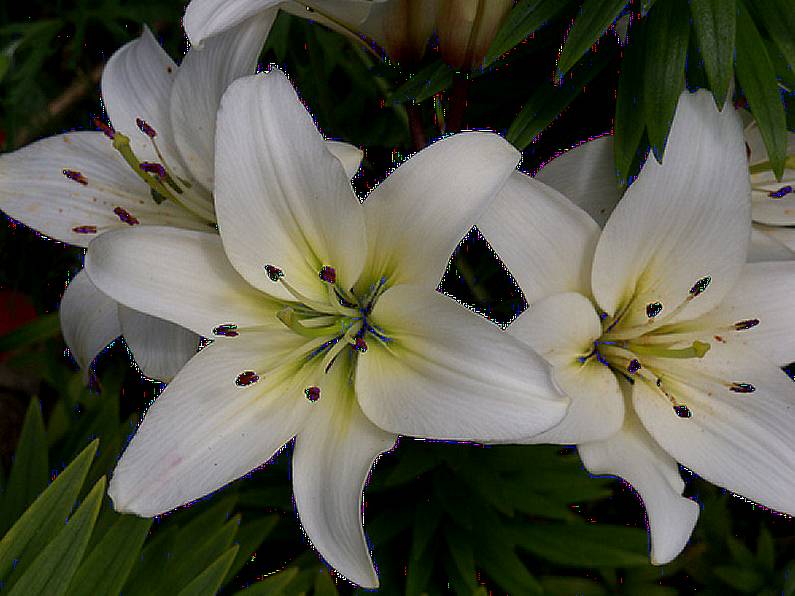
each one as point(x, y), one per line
point(360, 345)
point(653, 309)
point(742, 388)
point(85, 230)
point(312, 393)
point(105, 128)
point(746, 324)
point(76, 176)
point(682, 411)
point(273, 272)
point(328, 275)
point(145, 128)
point(634, 366)
point(154, 168)
point(246, 378)
point(781, 192)
point(700, 286)
point(226, 330)
point(125, 216)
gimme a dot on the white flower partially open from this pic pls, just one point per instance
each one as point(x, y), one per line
point(156, 168)
point(326, 321)
point(668, 343)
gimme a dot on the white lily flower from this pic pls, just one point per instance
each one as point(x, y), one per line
point(667, 342)
point(157, 169)
point(326, 322)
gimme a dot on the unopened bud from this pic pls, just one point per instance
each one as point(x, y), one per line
point(466, 29)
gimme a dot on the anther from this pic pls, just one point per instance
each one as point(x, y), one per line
point(154, 168)
point(106, 129)
point(653, 309)
point(781, 192)
point(682, 411)
point(328, 275)
point(742, 388)
point(312, 393)
point(126, 217)
point(226, 330)
point(246, 378)
point(274, 272)
point(76, 176)
point(700, 286)
point(360, 345)
point(746, 324)
point(85, 230)
point(145, 128)
point(633, 366)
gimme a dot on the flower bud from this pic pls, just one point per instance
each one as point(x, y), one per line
point(402, 27)
point(466, 29)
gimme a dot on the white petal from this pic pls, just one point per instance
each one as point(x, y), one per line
point(563, 328)
point(767, 247)
point(331, 462)
point(35, 190)
point(137, 83)
point(633, 455)
point(679, 222)
point(89, 320)
point(160, 348)
point(771, 211)
point(177, 275)
point(205, 18)
point(586, 175)
point(545, 241)
point(282, 199)
point(202, 79)
point(348, 155)
point(204, 431)
point(448, 373)
point(740, 441)
point(422, 211)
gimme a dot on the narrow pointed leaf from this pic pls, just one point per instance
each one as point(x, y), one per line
point(209, 580)
point(41, 328)
point(715, 24)
point(250, 536)
point(595, 18)
point(272, 584)
point(630, 123)
point(523, 20)
point(778, 18)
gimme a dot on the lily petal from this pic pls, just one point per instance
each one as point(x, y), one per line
point(741, 440)
point(586, 175)
point(99, 194)
point(177, 275)
point(89, 320)
point(282, 199)
point(205, 431)
point(205, 18)
point(680, 222)
point(422, 211)
point(348, 155)
point(767, 246)
point(331, 462)
point(160, 348)
point(563, 328)
point(447, 373)
point(202, 79)
point(545, 241)
point(632, 455)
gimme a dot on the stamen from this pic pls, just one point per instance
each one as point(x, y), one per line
point(145, 128)
point(226, 330)
point(746, 324)
point(125, 216)
point(682, 411)
point(360, 345)
point(742, 388)
point(85, 230)
point(273, 272)
point(312, 393)
point(781, 192)
point(154, 168)
point(697, 350)
point(699, 287)
point(246, 378)
point(633, 366)
point(328, 275)
point(106, 129)
point(653, 309)
point(76, 176)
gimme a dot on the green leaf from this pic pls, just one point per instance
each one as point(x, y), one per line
point(778, 18)
point(595, 18)
point(742, 579)
point(324, 585)
point(107, 567)
point(666, 36)
point(250, 536)
point(41, 328)
point(459, 545)
point(758, 80)
point(715, 22)
point(52, 570)
point(45, 516)
point(209, 580)
point(426, 82)
point(273, 584)
point(29, 473)
point(498, 559)
point(766, 550)
point(523, 20)
point(563, 586)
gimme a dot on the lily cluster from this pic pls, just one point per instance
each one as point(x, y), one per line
point(213, 208)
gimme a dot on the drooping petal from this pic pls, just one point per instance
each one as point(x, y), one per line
point(200, 83)
point(681, 222)
point(767, 246)
point(74, 186)
point(739, 433)
point(177, 275)
point(563, 329)
point(545, 241)
point(348, 155)
point(422, 211)
point(160, 348)
point(282, 199)
point(332, 459)
point(89, 320)
point(207, 430)
point(447, 373)
point(586, 175)
point(632, 455)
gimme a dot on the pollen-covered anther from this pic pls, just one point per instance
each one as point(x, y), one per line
point(126, 217)
point(328, 275)
point(700, 286)
point(85, 229)
point(246, 378)
point(781, 192)
point(746, 324)
point(106, 129)
point(274, 273)
point(360, 345)
point(154, 168)
point(653, 309)
point(633, 366)
point(742, 388)
point(312, 393)
point(226, 330)
point(682, 411)
point(76, 176)
point(145, 128)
